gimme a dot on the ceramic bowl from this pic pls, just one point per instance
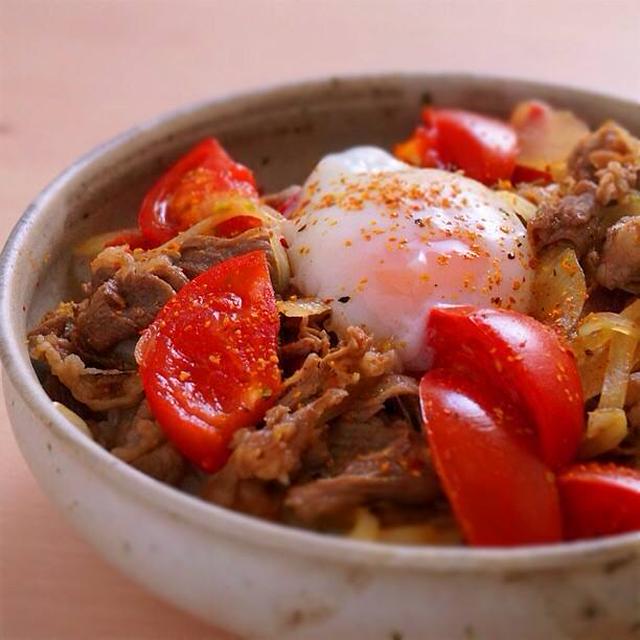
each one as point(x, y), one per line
point(258, 579)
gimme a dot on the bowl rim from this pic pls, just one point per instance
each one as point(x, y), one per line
point(217, 520)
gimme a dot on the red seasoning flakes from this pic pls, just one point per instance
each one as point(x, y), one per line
point(397, 241)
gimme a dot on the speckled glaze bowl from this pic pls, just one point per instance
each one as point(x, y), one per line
point(258, 579)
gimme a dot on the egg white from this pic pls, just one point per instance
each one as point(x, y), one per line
point(384, 242)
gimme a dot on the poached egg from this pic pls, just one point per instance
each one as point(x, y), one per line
point(383, 242)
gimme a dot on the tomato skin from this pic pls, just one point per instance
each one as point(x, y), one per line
point(484, 148)
point(599, 499)
point(420, 149)
point(179, 198)
point(209, 363)
point(236, 226)
point(525, 360)
point(131, 237)
point(522, 173)
point(484, 451)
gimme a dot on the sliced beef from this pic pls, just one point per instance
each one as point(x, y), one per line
point(297, 425)
point(322, 435)
point(107, 263)
point(275, 452)
point(122, 307)
point(604, 168)
point(363, 406)
point(572, 218)
point(199, 253)
point(609, 157)
point(307, 339)
point(135, 437)
point(348, 439)
point(616, 181)
point(59, 322)
point(397, 471)
point(89, 345)
point(609, 143)
point(619, 266)
point(255, 497)
point(126, 301)
point(163, 463)
point(98, 389)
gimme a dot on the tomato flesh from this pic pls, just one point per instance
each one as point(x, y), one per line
point(484, 451)
point(522, 358)
point(421, 149)
point(522, 173)
point(209, 362)
point(131, 237)
point(599, 499)
point(179, 198)
point(484, 148)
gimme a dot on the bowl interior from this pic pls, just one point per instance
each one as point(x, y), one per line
point(279, 133)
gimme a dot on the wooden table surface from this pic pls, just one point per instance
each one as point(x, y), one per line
point(74, 73)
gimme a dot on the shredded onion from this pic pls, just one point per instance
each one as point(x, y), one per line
point(632, 312)
point(226, 208)
point(606, 428)
point(619, 364)
point(365, 527)
point(229, 207)
point(607, 350)
point(302, 307)
point(609, 323)
point(425, 533)
point(73, 418)
point(592, 365)
point(559, 289)
point(95, 244)
point(281, 262)
point(439, 531)
point(524, 209)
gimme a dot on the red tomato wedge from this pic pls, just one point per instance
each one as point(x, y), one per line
point(529, 174)
point(131, 237)
point(484, 148)
point(209, 362)
point(421, 149)
point(599, 499)
point(484, 451)
point(179, 198)
point(523, 359)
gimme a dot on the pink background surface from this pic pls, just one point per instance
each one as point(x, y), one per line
point(75, 73)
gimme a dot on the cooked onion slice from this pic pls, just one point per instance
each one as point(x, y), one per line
point(440, 530)
point(607, 349)
point(606, 429)
point(619, 364)
point(302, 307)
point(226, 208)
point(524, 209)
point(608, 323)
point(73, 418)
point(559, 289)
point(281, 260)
